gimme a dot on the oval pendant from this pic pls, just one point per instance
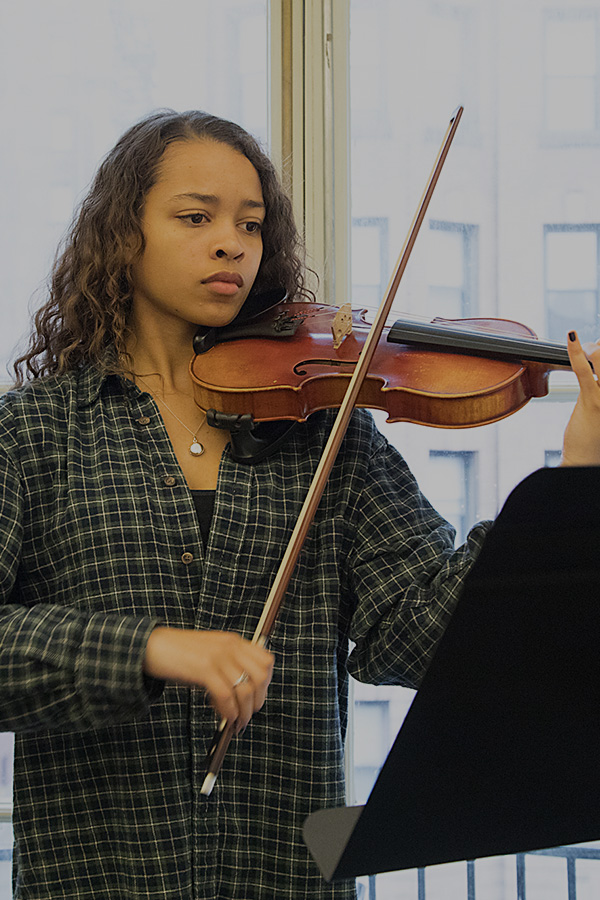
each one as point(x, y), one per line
point(196, 449)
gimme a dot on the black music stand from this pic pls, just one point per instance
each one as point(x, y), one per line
point(500, 750)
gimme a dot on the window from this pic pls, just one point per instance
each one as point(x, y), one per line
point(453, 484)
point(371, 744)
point(6, 754)
point(453, 269)
point(572, 283)
point(369, 260)
point(571, 73)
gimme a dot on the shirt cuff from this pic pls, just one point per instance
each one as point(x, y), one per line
point(109, 674)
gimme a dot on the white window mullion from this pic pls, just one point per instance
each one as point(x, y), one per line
point(340, 155)
point(309, 129)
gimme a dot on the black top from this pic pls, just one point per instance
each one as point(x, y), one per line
point(204, 501)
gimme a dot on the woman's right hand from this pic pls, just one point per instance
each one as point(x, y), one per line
point(235, 672)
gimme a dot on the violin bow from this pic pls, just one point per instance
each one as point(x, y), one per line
point(274, 600)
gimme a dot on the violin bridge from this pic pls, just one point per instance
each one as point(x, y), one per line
point(341, 325)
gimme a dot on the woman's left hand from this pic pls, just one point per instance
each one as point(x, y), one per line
point(581, 445)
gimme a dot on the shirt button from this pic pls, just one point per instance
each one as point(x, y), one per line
point(169, 480)
point(143, 420)
point(187, 558)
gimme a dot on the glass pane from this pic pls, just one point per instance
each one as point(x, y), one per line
point(571, 47)
point(73, 97)
point(546, 878)
point(6, 758)
point(572, 309)
point(571, 263)
point(448, 481)
point(395, 886)
point(368, 83)
point(570, 104)
point(445, 881)
point(370, 733)
point(444, 49)
point(371, 744)
point(366, 258)
point(446, 256)
point(587, 878)
point(571, 71)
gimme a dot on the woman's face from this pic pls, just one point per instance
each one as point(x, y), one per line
point(202, 223)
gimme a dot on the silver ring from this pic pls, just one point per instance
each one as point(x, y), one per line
point(241, 680)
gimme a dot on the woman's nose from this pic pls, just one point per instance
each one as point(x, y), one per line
point(227, 245)
point(222, 253)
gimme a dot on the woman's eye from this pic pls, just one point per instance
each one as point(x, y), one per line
point(194, 218)
point(202, 218)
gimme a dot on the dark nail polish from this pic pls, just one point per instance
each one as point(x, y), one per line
point(572, 336)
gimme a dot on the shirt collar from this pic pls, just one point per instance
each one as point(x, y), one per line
point(93, 378)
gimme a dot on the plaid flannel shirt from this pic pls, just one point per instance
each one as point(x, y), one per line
point(100, 542)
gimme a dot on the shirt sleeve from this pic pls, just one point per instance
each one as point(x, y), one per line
point(61, 668)
point(405, 574)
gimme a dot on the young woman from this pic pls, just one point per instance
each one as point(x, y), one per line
point(136, 552)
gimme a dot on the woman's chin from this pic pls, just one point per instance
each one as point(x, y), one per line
point(217, 314)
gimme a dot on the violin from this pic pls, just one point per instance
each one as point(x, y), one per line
point(448, 373)
point(292, 360)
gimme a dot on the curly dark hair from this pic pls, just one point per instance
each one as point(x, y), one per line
point(90, 285)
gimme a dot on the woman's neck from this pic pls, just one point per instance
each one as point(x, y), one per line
point(163, 358)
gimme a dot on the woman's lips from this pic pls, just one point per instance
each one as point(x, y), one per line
point(227, 283)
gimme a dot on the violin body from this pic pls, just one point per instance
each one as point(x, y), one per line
point(301, 372)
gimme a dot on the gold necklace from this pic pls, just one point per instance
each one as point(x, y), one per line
point(195, 448)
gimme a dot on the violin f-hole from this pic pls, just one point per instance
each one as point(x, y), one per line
point(301, 367)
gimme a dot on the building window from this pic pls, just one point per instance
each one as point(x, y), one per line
point(453, 484)
point(453, 269)
point(571, 280)
point(571, 73)
point(371, 744)
point(369, 260)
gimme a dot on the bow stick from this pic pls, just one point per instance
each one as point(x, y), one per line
point(273, 602)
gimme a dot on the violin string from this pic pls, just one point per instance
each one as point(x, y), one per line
point(457, 325)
